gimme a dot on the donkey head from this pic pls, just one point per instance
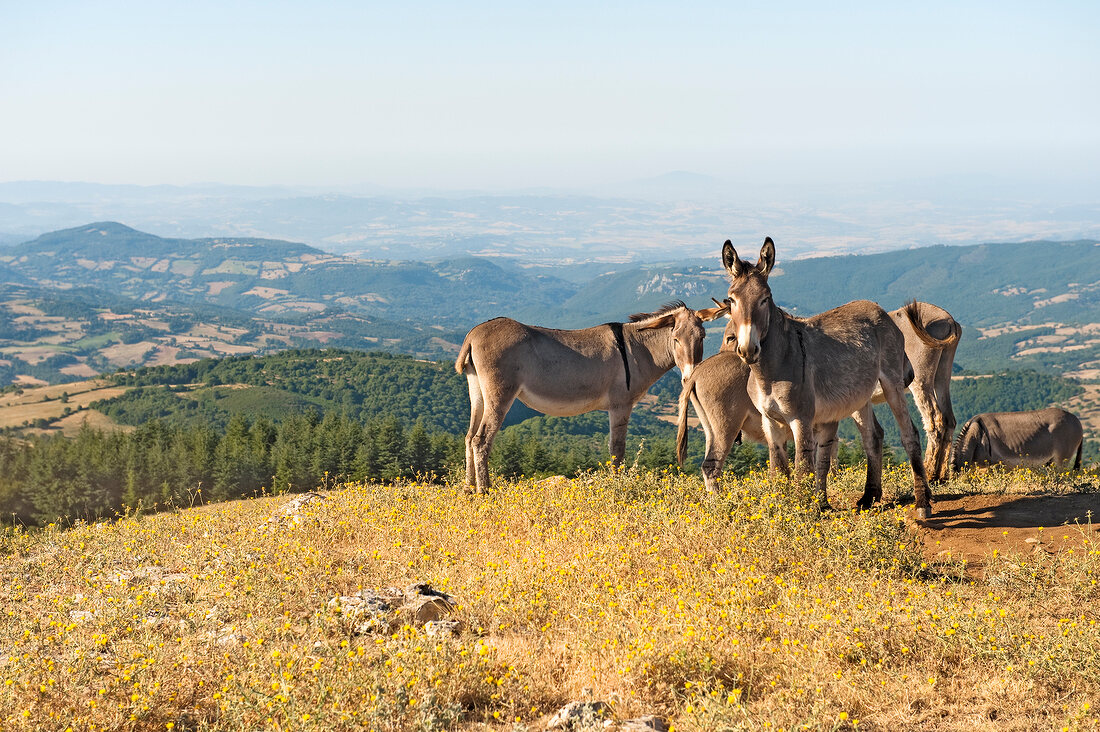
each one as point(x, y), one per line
point(972, 446)
point(749, 298)
point(686, 331)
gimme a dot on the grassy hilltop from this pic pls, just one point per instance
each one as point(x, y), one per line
point(744, 610)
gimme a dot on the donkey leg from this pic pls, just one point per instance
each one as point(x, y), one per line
point(720, 439)
point(825, 437)
point(871, 432)
point(804, 449)
point(911, 442)
point(942, 466)
point(477, 411)
point(939, 448)
point(616, 443)
point(929, 404)
point(777, 448)
point(492, 419)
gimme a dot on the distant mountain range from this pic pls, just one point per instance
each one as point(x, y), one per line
point(677, 216)
point(104, 295)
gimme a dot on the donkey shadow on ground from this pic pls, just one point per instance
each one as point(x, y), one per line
point(1020, 512)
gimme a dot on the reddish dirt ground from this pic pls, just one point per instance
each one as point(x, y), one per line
point(970, 527)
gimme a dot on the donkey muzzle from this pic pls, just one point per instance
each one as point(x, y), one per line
point(748, 352)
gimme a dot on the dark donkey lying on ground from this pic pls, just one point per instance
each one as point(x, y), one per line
point(1049, 436)
point(569, 372)
point(809, 374)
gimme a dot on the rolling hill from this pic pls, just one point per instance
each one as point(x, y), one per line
point(103, 296)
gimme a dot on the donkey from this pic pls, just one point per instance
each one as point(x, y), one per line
point(931, 337)
point(1041, 437)
point(569, 372)
point(811, 373)
point(718, 390)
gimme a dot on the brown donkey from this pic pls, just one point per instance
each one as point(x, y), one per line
point(718, 390)
point(569, 372)
point(931, 337)
point(811, 373)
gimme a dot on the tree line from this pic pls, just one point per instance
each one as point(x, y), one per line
point(98, 474)
point(313, 415)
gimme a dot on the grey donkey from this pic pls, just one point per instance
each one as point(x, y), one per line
point(569, 372)
point(811, 373)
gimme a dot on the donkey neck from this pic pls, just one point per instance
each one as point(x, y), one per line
point(783, 343)
point(649, 353)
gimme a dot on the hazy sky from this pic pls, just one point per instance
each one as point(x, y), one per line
point(465, 94)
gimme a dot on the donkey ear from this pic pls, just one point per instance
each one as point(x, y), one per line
point(767, 257)
point(665, 321)
point(708, 314)
point(730, 260)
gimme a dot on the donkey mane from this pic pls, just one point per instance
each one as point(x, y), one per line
point(663, 310)
point(957, 444)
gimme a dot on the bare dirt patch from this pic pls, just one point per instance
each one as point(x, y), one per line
point(207, 330)
point(267, 292)
point(163, 355)
point(128, 354)
point(215, 288)
point(45, 402)
point(971, 527)
point(80, 369)
point(72, 424)
point(32, 354)
point(19, 307)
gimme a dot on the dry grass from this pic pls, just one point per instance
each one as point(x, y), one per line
point(45, 402)
point(745, 610)
point(70, 426)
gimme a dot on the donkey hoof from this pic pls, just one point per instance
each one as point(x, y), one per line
point(923, 512)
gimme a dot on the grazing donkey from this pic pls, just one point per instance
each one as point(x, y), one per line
point(1041, 437)
point(718, 390)
point(931, 337)
point(811, 373)
point(569, 372)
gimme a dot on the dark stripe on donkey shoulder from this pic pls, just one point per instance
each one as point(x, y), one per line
point(617, 329)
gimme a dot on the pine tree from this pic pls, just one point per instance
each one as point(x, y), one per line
point(390, 445)
point(508, 455)
point(418, 451)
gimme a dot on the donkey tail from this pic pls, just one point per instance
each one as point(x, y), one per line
point(463, 356)
point(682, 421)
point(912, 312)
point(1077, 462)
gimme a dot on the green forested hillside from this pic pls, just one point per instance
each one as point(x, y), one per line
point(236, 426)
point(1009, 391)
point(111, 241)
point(980, 285)
point(358, 384)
